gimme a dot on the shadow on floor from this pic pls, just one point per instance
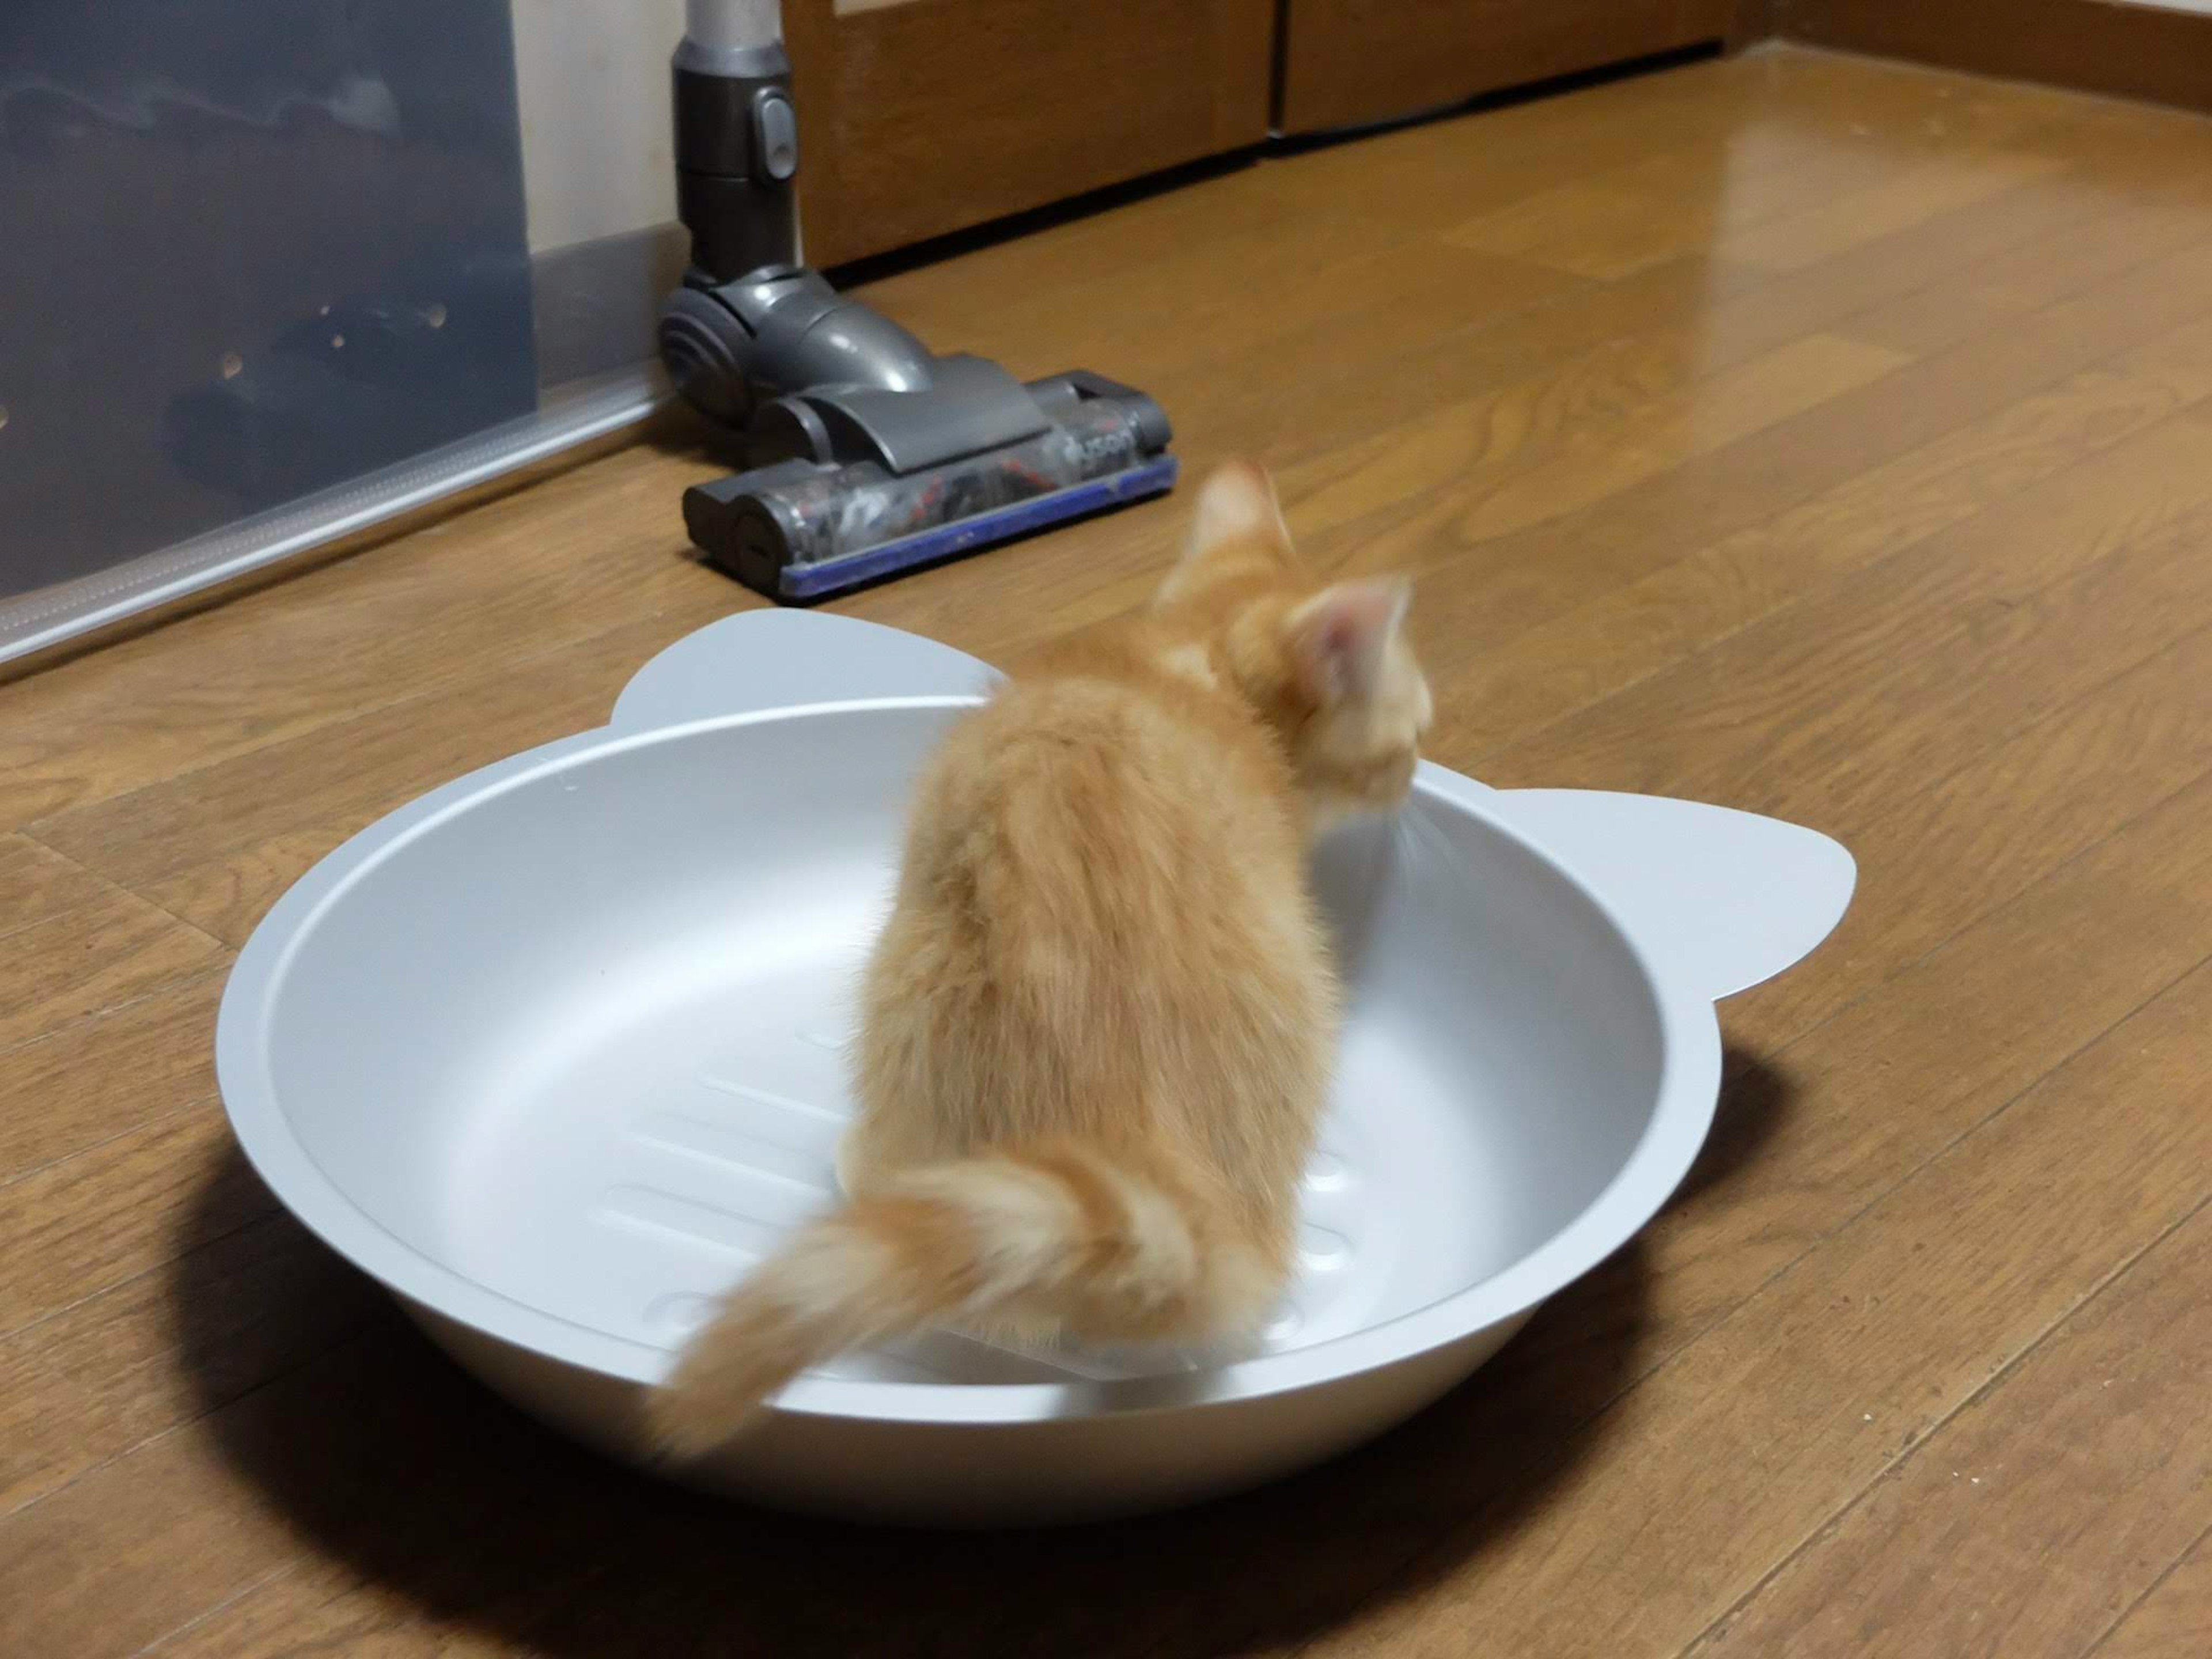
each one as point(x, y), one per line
point(1756, 1098)
point(388, 1460)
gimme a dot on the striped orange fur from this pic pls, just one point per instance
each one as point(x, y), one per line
point(1098, 1030)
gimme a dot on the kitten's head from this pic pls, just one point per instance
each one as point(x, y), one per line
point(1328, 666)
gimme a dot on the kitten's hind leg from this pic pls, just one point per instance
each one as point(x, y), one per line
point(848, 1158)
point(860, 1158)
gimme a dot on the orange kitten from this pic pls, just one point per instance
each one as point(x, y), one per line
point(1097, 1031)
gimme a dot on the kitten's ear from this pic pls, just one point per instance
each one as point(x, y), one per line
point(1340, 638)
point(1236, 507)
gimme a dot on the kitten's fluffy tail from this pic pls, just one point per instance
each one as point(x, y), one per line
point(1108, 1242)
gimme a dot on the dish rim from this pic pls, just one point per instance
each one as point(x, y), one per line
point(1685, 1096)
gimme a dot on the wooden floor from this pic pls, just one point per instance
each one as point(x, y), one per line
point(1819, 437)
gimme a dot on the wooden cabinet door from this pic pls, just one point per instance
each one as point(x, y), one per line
point(920, 116)
point(1346, 62)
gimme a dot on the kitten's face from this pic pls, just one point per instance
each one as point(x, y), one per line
point(1328, 667)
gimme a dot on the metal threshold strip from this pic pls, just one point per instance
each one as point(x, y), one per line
point(52, 615)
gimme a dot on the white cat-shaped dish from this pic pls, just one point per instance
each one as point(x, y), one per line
point(555, 1053)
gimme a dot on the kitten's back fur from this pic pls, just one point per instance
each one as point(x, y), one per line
point(1098, 1030)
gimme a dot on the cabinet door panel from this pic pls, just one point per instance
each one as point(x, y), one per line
point(920, 116)
point(1348, 62)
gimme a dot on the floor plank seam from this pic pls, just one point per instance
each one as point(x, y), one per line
point(2068, 298)
point(351, 1335)
point(79, 864)
point(2104, 1636)
point(1987, 1387)
point(1387, 517)
point(2198, 640)
point(198, 1102)
point(162, 1266)
point(1781, 1048)
point(1987, 1118)
point(509, 664)
point(110, 1010)
point(1929, 363)
point(215, 1612)
point(2091, 219)
point(2191, 411)
point(2187, 412)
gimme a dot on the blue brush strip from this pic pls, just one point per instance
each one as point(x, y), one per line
point(944, 541)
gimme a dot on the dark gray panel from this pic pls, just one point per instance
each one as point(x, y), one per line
point(247, 251)
point(599, 302)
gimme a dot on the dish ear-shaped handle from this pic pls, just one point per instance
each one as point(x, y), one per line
point(1726, 898)
point(784, 659)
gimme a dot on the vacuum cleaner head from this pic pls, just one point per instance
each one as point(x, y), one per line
point(866, 454)
point(801, 529)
